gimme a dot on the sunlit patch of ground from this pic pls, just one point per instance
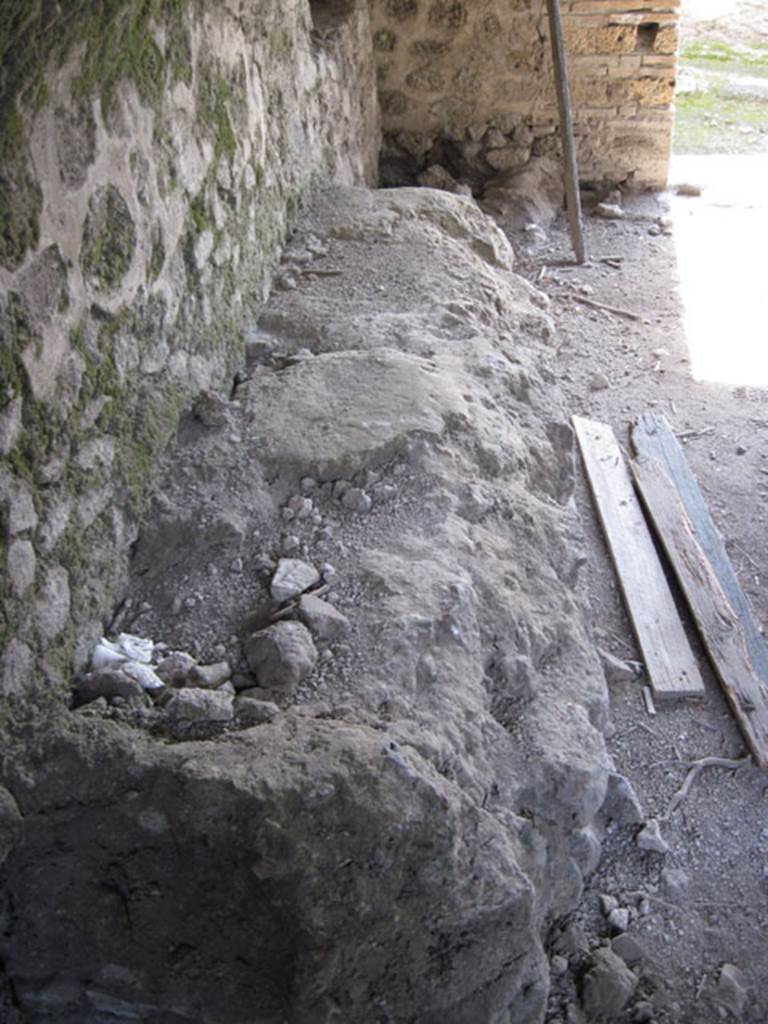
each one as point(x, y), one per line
point(722, 248)
point(722, 98)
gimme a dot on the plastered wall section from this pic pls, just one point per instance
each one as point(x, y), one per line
point(470, 86)
point(141, 217)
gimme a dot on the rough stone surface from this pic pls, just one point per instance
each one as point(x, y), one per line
point(196, 705)
point(281, 655)
point(628, 948)
point(616, 670)
point(534, 195)
point(107, 683)
point(250, 711)
point(397, 840)
point(732, 989)
point(292, 578)
point(649, 838)
point(621, 802)
point(176, 668)
point(608, 985)
point(210, 676)
point(325, 621)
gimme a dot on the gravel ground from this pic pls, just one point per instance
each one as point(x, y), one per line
point(702, 905)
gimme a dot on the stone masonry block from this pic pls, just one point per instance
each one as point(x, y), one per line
point(608, 39)
point(667, 40)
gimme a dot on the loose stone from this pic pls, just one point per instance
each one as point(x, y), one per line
point(732, 989)
point(325, 621)
point(559, 965)
point(621, 803)
point(649, 838)
point(210, 677)
point(175, 668)
point(356, 500)
point(642, 1013)
point(608, 986)
point(107, 682)
point(254, 712)
point(292, 578)
point(616, 670)
point(282, 655)
point(608, 903)
point(609, 211)
point(628, 948)
point(618, 919)
point(210, 409)
point(195, 705)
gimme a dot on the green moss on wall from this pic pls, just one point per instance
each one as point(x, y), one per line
point(109, 239)
point(21, 202)
point(215, 96)
point(118, 44)
point(157, 255)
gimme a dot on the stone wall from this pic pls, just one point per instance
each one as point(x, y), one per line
point(152, 158)
point(470, 86)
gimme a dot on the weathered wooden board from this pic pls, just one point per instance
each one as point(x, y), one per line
point(669, 661)
point(720, 627)
point(652, 437)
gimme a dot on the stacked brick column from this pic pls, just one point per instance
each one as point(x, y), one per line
point(622, 72)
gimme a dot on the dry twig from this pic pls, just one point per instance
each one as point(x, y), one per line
point(685, 435)
point(694, 767)
point(606, 309)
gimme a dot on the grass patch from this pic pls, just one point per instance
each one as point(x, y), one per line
point(712, 121)
point(717, 55)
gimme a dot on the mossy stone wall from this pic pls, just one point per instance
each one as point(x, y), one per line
point(152, 155)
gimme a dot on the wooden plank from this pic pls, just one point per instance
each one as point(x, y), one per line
point(652, 437)
point(669, 661)
point(720, 627)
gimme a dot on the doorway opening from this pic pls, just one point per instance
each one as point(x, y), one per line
point(719, 171)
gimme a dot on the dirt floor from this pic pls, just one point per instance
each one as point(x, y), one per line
point(705, 903)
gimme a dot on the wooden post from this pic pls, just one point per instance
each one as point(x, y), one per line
point(573, 200)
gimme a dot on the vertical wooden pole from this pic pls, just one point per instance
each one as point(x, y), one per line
point(572, 198)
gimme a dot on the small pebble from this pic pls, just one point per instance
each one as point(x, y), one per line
point(618, 919)
point(608, 903)
point(559, 966)
point(356, 500)
point(649, 838)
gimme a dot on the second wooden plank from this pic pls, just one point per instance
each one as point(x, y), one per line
point(653, 438)
point(669, 661)
point(720, 628)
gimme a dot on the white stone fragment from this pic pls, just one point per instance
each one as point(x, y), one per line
point(649, 838)
point(292, 578)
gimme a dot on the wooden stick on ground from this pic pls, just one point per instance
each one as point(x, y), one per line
point(694, 768)
point(573, 199)
point(616, 310)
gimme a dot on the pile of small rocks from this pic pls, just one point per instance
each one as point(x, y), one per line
point(149, 684)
